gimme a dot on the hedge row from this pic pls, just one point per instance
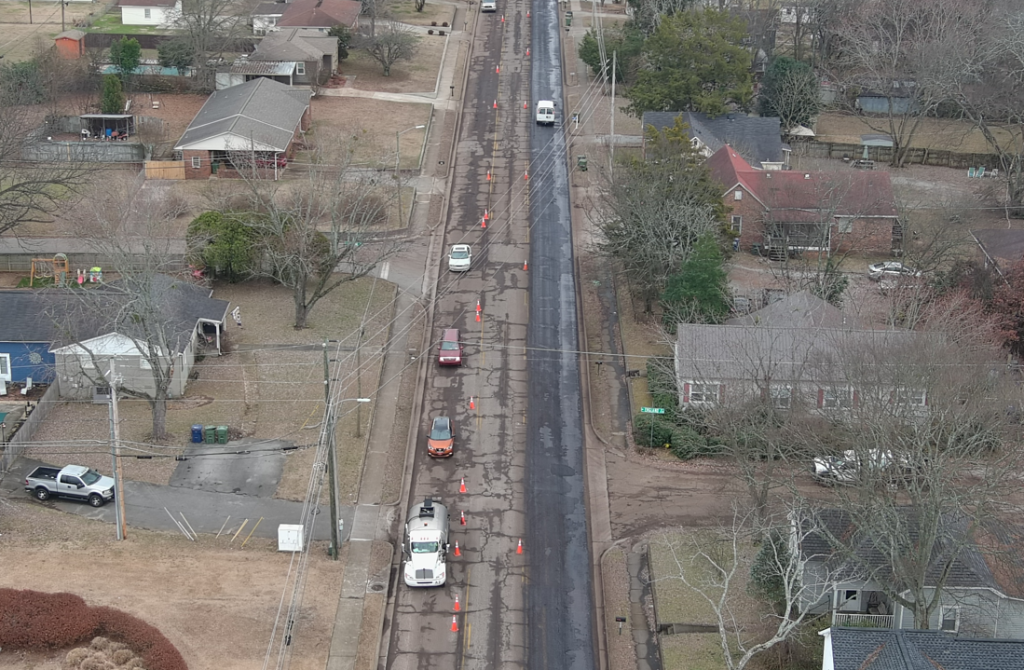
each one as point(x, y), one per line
point(35, 620)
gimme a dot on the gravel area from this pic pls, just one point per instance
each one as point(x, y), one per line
point(213, 599)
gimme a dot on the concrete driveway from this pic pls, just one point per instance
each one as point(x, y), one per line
point(206, 511)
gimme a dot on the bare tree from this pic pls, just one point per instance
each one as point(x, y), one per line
point(715, 564)
point(391, 43)
point(129, 227)
point(318, 234)
point(211, 28)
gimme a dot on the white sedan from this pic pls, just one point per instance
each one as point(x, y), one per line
point(891, 269)
point(460, 258)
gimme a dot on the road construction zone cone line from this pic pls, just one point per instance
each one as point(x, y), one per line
point(527, 51)
point(519, 548)
point(488, 175)
point(526, 266)
point(487, 217)
point(477, 306)
point(472, 405)
point(526, 175)
point(478, 317)
point(483, 223)
point(457, 553)
point(462, 520)
point(495, 104)
point(462, 486)
point(455, 623)
point(457, 606)
point(497, 69)
point(524, 104)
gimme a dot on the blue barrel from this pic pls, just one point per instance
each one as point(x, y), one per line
point(197, 433)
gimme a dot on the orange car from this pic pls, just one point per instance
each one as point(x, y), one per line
point(442, 438)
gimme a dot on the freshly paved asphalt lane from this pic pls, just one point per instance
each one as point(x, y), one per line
point(559, 597)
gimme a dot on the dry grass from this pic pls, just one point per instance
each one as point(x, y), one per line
point(417, 75)
point(935, 134)
point(691, 651)
point(405, 12)
point(213, 600)
point(370, 126)
point(23, 40)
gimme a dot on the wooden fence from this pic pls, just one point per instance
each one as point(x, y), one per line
point(953, 159)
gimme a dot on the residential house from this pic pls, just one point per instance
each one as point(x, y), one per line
point(816, 365)
point(785, 212)
point(321, 15)
point(149, 12)
point(259, 121)
point(70, 44)
point(874, 649)
point(900, 98)
point(26, 333)
point(313, 55)
point(758, 139)
point(265, 16)
point(193, 324)
point(977, 599)
point(1001, 248)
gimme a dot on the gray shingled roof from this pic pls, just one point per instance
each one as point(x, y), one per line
point(36, 316)
point(1003, 246)
point(798, 310)
point(881, 649)
point(295, 44)
point(269, 9)
point(261, 111)
point(968, 568)
point(274, 68)
point(758, 139)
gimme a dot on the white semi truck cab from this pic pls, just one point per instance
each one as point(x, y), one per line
point(426, 544)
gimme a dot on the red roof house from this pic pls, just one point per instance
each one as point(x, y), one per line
point(784, 210)
point(321, 14)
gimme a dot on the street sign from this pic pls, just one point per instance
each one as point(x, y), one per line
point(652, 410)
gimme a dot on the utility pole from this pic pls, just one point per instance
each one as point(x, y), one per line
point(611, 143)
point(331, 464)
point(115, 456)
point(62, 6)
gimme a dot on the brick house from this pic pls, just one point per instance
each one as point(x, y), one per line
point(321, 15)
point(258, 121)
point(779, 212)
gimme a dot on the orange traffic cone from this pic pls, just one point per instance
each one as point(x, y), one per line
point(495, 104)
point(526, 266)
point(497, 69)
point(472, 405)
point(483, 223)
point(524, 104)
point(526, 175)
point(477, 306)
point(478, 317)
point(457, 607)
point(455, 623)
point(487, 217)
point(488, 175)
point(527, 51)
point(527, 15)
point(462, 488)
point(519, 549)
point(457, 552)
point(462, 520)
point(503, 18)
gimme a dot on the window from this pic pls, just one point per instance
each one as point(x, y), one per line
point(86, 362)
point(737, 195)
point(147, 12)
point(949, 618)
point(144, 364)
point(300, 68)
point(912, 397)
point(737, 224)
point(835, 398)
point(5, 367)
point(781, 395)
point(845, 224)
point(196, 163)
point(698, 394)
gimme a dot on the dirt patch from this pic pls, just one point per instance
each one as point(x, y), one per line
point(23, 40)
point(215, 601)
point(936, 134)
point(417, 75)
point(371, 126)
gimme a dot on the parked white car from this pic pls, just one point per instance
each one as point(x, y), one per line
point(460, 258)
point(891, 270)
point(846, 469)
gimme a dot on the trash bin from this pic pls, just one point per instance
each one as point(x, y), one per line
point(211, 434)
point(95, 275)
point(197, 433)
point(735, 244)
point(581, 163)
point(568, 19)
point(222, 434)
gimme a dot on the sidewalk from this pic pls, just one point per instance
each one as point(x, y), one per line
point(359, 622)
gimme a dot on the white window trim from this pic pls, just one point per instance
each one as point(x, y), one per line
point(147, 12)
point(300, 68)
point(956, 617)
point(717, 392)
point(781, 396)
point(5, 367)
point(196, 162)
point(86, 362)
point(737, 195)
point(837, 394)
point(844, 224)
point(736, 223)
point(917, 398)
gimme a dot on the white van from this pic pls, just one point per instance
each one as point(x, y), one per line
point(545, 113)
point(489, 6)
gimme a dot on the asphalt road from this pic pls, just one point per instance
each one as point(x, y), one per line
point(559, 593)
point(490, 447)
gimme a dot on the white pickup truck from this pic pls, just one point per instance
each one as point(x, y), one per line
point(71, 481)
point(426, 544)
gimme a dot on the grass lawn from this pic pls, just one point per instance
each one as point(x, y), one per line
point(935, 134)
point(111, 23)
point(417, 75)
point(405, 12)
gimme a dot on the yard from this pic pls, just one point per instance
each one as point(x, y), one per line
point(371, 126)
point(417, 75)
point(936, 134)
point(27, 29)
point(268, 385)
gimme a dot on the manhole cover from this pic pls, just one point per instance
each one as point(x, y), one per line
point(377, 588)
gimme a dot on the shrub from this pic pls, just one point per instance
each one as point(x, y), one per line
point(687, 443)
point(34, 620)
point(650, 430)
point(766, 582)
